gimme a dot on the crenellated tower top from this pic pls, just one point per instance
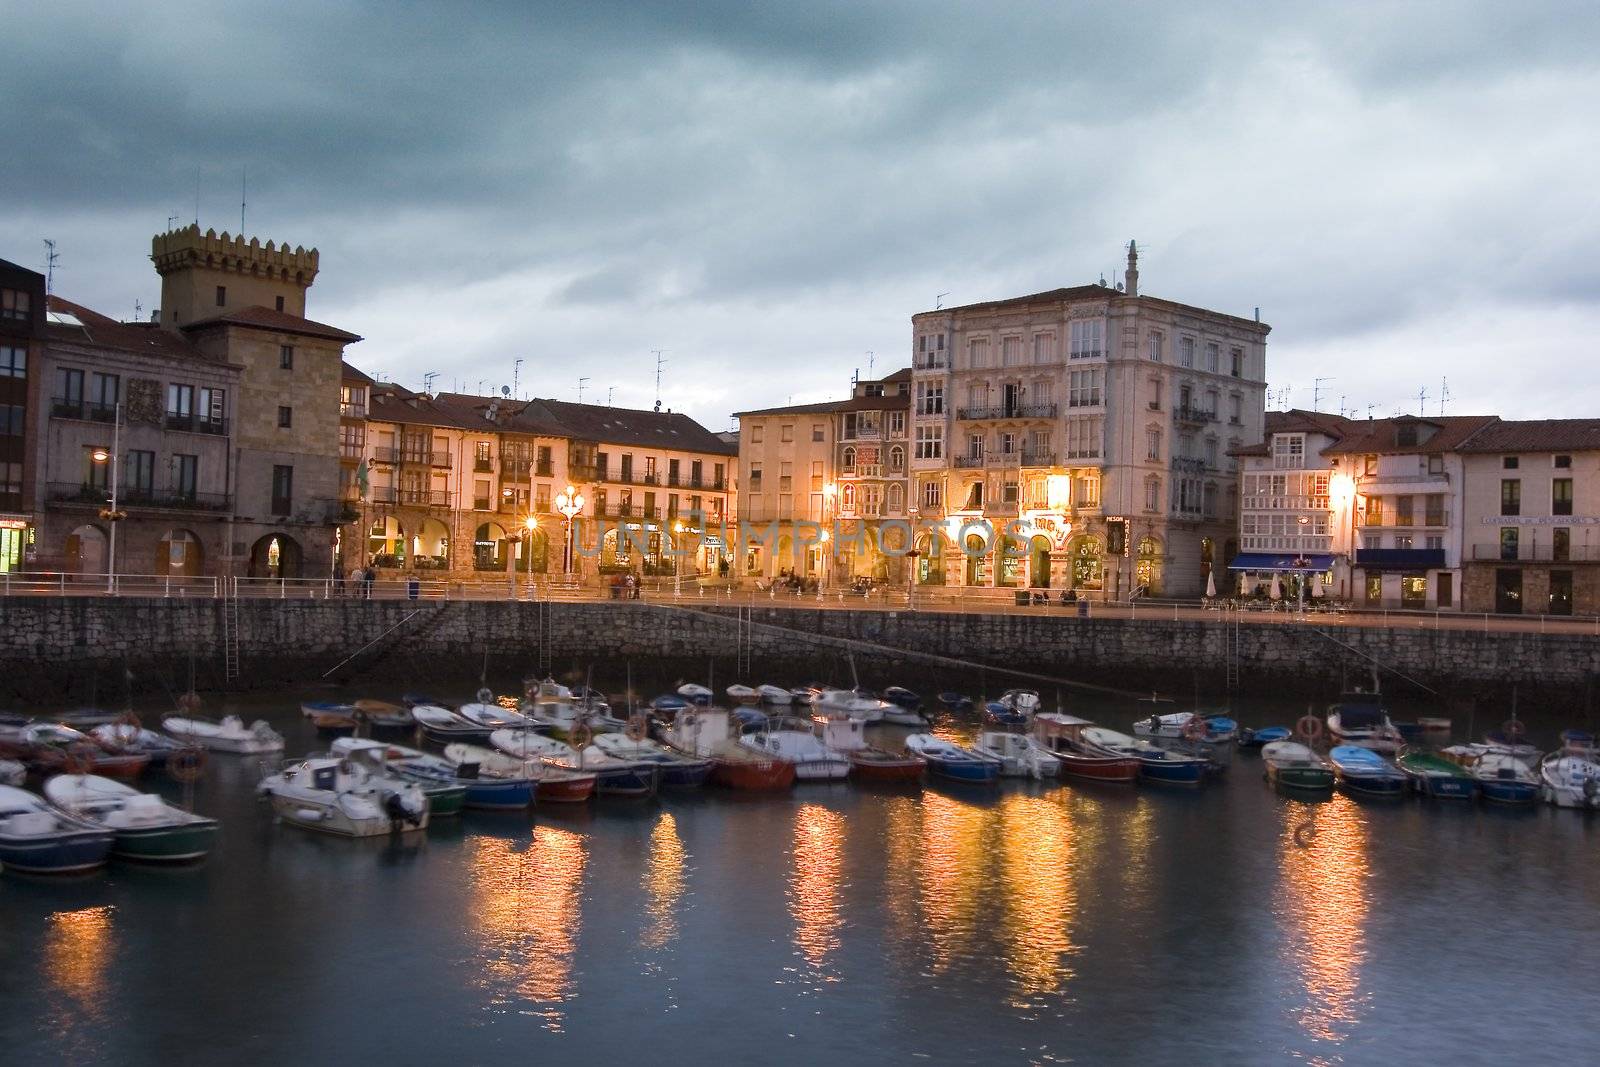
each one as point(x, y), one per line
point(208, 274)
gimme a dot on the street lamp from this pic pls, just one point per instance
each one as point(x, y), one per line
point(677, 560)
point(913, 555)
point(111, 514)
point(529, 525)
point(568, 502)
point(829, 492)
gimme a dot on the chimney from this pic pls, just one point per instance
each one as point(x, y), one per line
point(1132, 277)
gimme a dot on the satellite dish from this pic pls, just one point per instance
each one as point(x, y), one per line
point(505, 390)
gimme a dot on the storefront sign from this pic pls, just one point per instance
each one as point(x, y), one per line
point(1540, 520)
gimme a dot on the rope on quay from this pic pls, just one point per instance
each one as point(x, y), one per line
point(1375, 661)
point(409, 616)
point(856, 644)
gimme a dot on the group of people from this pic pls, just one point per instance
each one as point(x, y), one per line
point(361, 578)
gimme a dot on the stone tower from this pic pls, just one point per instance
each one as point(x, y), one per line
point(204, 275)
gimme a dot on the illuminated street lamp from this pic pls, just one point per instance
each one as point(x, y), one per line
point(913, 557)
point(529, 525)
point(829, 492)
point(111, 514)
point(677, 560)
point(569, 502)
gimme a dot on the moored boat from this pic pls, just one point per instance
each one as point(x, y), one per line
point(228, 735)
point(12, 772)
point(349, 796)
point(675, 770)
point(1294, 766)
point(1156, 764)
point(1061, 735)
point(708, 733)
point(1359, 719)
point(668, 704)
point(1570, 781)
point(131, 737)
point(695, 694)
point(742, 694)
point(51, 748)
point(952, 763)
point(1265, 735)
point(551, 784)
point(1002, 715)
point(382, 715)
point(1504, 779)
point(792, 740)
point(868, 763)
point(1435, 776)
point(613, 776)
point(330, 717)
point(956, 701)
point(902, 697)
point(446, 793)
point(40, 839)
point(143, 825)
point(444, 726)
point(1020, 755)
point(491, 716)
point(1361, 770)
point(776, 695)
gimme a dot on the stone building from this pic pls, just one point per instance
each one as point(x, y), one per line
point(787, 464)
point(1531, 507)
point(22, 336)
point(1099, 420)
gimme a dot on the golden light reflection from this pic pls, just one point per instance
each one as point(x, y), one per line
point(815, 886)
point(951, 873)
point(903, 829)
point(76, 951)
point(1322, 905)
point(1038, 858)
point(528, 908)
point(664, 880)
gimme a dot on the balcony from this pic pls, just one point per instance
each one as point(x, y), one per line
point(515, 461)
point(351, 449)
point(583, 472)
point(1007, 411)
point(1188, 465)
point(137, 497)
point(196, 424)
point(1038, 459)
point(423, 498)
point(1187, 413)
point(1530, 552)
point(1427, 520)
point(386, 455)
point(348, 410)
point(87, 410)
point(483, 466)
point(969, 462)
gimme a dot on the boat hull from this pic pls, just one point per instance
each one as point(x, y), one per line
point(575, 790)
point(639, 780)
point(1172, 772)
point(884, 767)
point(1439, 787)
point(444, 800)
point(1372, 785)
point(64, 853)
point(753, 775)
point(166, 844)
point(964, 772)
point(1301, 779)
point(466, 734)
point(685, 773)
point(1099, 768)
point(821, 770)
point(309, 814)
point(1501, 792)
point(504, 795)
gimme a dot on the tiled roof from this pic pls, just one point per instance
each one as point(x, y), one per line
point(355, 374)
point(590, 422)
point(1537, 435)
point(139, 337)
point(514, 416)
point(827, 407)
point(1375, 436)
point(280, 321)
point(391, 403)
point(1076, 292)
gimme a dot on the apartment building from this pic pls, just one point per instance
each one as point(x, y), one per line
point(22, 339)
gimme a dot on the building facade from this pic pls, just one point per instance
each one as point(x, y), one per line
point(1096, 419)
point(1293, 512)
point(22, 340)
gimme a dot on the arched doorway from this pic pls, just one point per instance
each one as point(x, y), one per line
point(784, 556)
point(1039, 562)
point(930, 559)
point(614, 557)
point(1147, 566)
point(179, 554)
point(1088, 569)
point(386, 542)
point(275, 556)
point(489, 547)
point(1011, 558)
point(430, 547)
point(977, 560)
point(86, 550)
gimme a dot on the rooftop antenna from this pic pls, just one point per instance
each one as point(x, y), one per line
point(51, 258)
point(1422, 400)
point(660, 362)
point(609, 390)
point(480, 385)
point(1341, 406)
point(516, 376)
point(172, 221)
point(1369, 411)
point(1444, 394)
point(871, 359)
point(1316, 392)
point(581, 382)
point(938, 301)
point(427, 381)
point(138, 311)
point(244, 185)
point(197, 194)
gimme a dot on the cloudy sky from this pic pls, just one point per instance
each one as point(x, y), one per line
point(769, 191)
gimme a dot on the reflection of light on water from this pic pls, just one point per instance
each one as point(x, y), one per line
point(1322, 904)
point(528, 909)
point(663, 881)
point(902, 830)
point(951, 873)
point(814, 888)
point(77, 949)
point(1037, 855)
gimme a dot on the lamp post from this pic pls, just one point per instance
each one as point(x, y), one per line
point(677, 561)
point(913, 555)
point(829, 492)
point(568, 502)
point(111, 514)
point(529, 525)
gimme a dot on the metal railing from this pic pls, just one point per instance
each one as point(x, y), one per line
point(1008, 411)
point(137, 497)
point(430, 498)
point(1529, 552)
point(1190, 413)
point(197, 424)
point(62, 407)
point(1412, 521)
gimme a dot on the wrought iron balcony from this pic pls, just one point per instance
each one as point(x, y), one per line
point(1038, 459)
point(137, 497)
point(1191, 414)
point(88, 410)
point(1007, 411)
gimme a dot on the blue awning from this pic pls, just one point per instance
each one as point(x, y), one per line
point(1286, 561)
point(1399, 559)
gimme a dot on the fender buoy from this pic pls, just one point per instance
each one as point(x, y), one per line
point(578, 736)
point(1309, 729)
point(189, 702)
point(186, 764)
point(485, 695)
point(1304, 834)
point(635, 730)
point(1195, 729)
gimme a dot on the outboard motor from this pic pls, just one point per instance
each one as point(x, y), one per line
point(395, 805)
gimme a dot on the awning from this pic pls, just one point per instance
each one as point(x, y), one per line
point(1287, 561)
point(1399, 559)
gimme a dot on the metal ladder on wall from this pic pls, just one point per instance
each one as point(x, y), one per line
point(1231, 634)
point(744, 639)
point(230, 629)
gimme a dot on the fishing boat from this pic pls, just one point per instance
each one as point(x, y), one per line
point(1434, 776)
point(1156, 764)
point(792, 740)
point(1293, 766)
point(668, 704)
point(952, 763)
point(1577, 743)
point(708, 733)
point(143, 826)
point(1510, 743)
point(550, 784)
point(956, 701)
point(850, 702)
point(444, 726)
point(1359, 719)
point(1368, 773)
point(1213, 737)
point(613, 776)
point(695, 694)
point(330, 717)
point(868, 763)
point(40, 839)
point(228, 735)
point(900, 696)
point(1003, 715)
point(349, 796)
point(802, 694)
point(742, 694)
point(675, 770)
point(1569, 781)
point(1020, 755)
point(50, 748)
point(774, 694)
point(382, 715)
point(491, 716)
point(411, 700)
point(1061, 735)
point(446, 792)
point(900, 715)
point(1504, 779)
point(12, 772)
point(1025, 701)
point(1255, 738)
point(131, 737)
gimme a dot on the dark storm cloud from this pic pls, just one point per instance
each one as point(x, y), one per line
point(761, 186)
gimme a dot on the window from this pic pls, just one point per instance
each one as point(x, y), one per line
point(1213, 355)
point(278, 303)
point(1435, 542)
point(13, 362)
point(1433, 510)
point(930, 494)
point(847, 459)
point(1561, 462)
point(719, 476)
point(1235, 410)
point(1561, 496)
point(1510, 496)
point(930, 398)
point(1152, 493)
point(1509, 541)
point(1371, 541)
point(1435, 464)
point(757, 434)
point(1186, 351)
point(978, 353)
point(1008, 444)
point(69, 389)
point(1084, 437)
point(974, 446)
point(222, 296)
point(1369, 465)
point(286, 357)
point(1236, 357)
point(1044, 347)
point(1008, 493)
point(1405, 435)
point(816, 431)
point(1402, 510)
point(96, 475)
point(1010, 351)
point(185, 476)
point(1156, 340)
point(16, 304)
point(1289, 451)
point(1152, 445)
point(180, 402)
point(894, 498)
point(139, 473)
point(285, 417)
point(1086, 339)
point(282, 489)
point(11, 420)
point(847, 497)
point(786, 433)
point(1561, 544)
point(1155, 394)
point(1084, 389)
point(897, 458)
point(755, 479)
point(929, 443)
point(1509, 463)
point(1211, 452)
point(1088, 489)
point(897, 423)
point(852, 425)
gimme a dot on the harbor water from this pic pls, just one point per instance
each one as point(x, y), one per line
point(1034, 923)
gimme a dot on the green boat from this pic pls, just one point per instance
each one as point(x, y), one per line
point(443, 798)
point(143, 825)
point(1434, 776)
point(1292, 766)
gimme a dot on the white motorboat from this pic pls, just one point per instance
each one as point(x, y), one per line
point(1570, 781)
point(1022, 701)
point(491, 716)
point(695, 694)
point(614, 775)
point(813, 761)
point(12, 772)
point(37, 837)
point(441, 724)
point(1020, 755)
point(742, 694)
point(900, 715)
point(353, 795)
point(708, 733)
point(229, 735)
point(803, 694)
point(143, 825)
point(853, 704)
point(554, 784)
point(1360, 719)
point(774, 694)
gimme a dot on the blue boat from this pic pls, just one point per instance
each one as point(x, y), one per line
point(749, 720)
point(953, 763)
point(956, 701)
point(668, 704)
point(996, 713)
point(903, 697)
point(1156, 764)
point(1249, 738)
point(1361, 770)
point(36, 838)
point(1505, 779)
point(411, 700)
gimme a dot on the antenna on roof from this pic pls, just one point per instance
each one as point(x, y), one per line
point(516, 376)
point(51, 258)
point(138, 311)
point(1316, 392)
point(427, 381)
point(197, 194)
point(1341, 405)
point(938, 301)
point(581, 382)
point(1444, 394)
point(244, 185)
point(172, 221)
point(871, 360)
point(1369, 411)
point(609, 390)
point(660, 362)
point(1422, 400)
point(481, 382)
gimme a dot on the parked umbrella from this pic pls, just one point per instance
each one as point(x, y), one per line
point(1277, 589)
point(1317, 591)
point(1244, 585)
point(1211, 583)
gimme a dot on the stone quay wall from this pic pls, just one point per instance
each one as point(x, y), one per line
point(56, 651)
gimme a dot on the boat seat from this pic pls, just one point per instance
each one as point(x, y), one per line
point(31, 823)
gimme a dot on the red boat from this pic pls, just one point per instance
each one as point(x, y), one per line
point(1061, 735)
point(708, 733)
point(867, 764)
point(565, 787)
point(51, 749)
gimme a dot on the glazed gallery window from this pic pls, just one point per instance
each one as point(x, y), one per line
point(13, 362)
point(1084, 437)
point(1084, 389)
point(1561, 496)
point(930, 398)
point(1086, 336)
point(930, 442)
